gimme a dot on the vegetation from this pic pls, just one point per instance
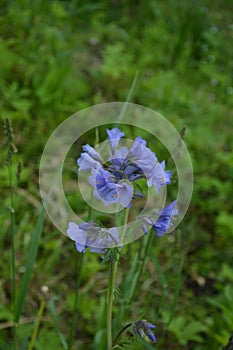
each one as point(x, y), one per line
point(58, 57)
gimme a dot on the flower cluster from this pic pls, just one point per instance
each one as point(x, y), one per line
point(144, 330)
point(113, 180)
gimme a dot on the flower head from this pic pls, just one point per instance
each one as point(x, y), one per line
point(144, 330)
point(159, 221)
point(113, 181)
point(88, 234)
point(165, 219)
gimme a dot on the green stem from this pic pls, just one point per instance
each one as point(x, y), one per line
point(12, 215)
point(37, 325)
point(113, 270)
point(125, 223)
point(139, 269)
point(121, 331)
point(110, 295)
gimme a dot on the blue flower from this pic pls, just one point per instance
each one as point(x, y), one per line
point(113, 181)
point(80, 234)
point(114, 136)
point(143, 329)
point(110, 189)
point(164, 220)
point(88, 234)
point(147, 161)
point(159, 221)
point(142, 156)
point(159, 178)
point(89, 159)
point(147, 222)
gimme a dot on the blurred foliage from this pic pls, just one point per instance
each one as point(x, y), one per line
point(58, 57)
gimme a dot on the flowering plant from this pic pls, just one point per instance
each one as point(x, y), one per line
point(115, 181)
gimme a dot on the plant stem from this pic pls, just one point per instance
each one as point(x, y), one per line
point(113, 270)
point(121, 331)
point(37, 325)
point(110, 296)
point(138, 270)
point(12, 215)
point(125, 223)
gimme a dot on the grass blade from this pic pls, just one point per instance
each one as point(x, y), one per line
point(128, 98)
point(37, 324)
point(29, 266)
point(177, 291)
point(51, 306)
point(76, 301)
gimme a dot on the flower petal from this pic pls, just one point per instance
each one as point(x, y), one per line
point(86, 162)
point(125, 193)
point(159, 178)
point(75, 232)
point(114, 136)
point(80, 247)
point(92, 153)
point(140, 140)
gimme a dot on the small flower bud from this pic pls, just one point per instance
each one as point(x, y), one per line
point(143, 329)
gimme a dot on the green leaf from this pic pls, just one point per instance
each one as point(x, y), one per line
point(186, 331)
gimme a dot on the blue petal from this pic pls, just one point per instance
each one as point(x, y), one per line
point(97, 250)
point(75, 232)
point(140, 140)
point(86, 162)
point(80, 248)
point(114, 136)
point(143, 158)
point(92, 153)
point(125, 194)
point(151, 326)
point(151, 336)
